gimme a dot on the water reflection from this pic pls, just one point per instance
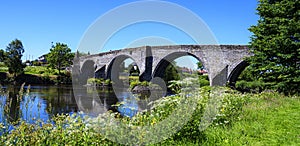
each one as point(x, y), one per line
point(12, 106)
point(42, 102)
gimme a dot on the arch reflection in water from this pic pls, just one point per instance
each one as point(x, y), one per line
point(43, 102)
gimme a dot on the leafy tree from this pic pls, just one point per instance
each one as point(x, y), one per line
point(2, 55)
point(171, 72)
point(60, 56)
point(276, 45)
point(14, 53)
point(200, 65)
point(133, 69)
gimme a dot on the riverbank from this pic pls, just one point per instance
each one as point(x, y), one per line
point(244, 119)
point(36, 79)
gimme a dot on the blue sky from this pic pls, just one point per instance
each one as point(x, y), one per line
point(38, 23)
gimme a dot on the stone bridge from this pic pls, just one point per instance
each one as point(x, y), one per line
point(223, 62)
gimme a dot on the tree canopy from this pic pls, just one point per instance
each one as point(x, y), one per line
point(2, 55)
point(171, 72)
point(276, 45)
point(60, 56)
point(14, 53)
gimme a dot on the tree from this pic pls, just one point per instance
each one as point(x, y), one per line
point(171, 72)
point(276, 45)
point(60, 56)
point(2, 55)
point(133, 69)
point(14, 53)
point(200, 65)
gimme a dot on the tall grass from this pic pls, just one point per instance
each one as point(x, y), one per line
point(267, 119)
point(243, 119)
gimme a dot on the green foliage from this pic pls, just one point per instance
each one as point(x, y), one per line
point(95, 81)
point(36, 63)
point(247, 82)
point(134, 78)
point(14, 53)
point(2, 55)
point(41, 70)
point(247, 74)
point(176, 85)
point(133, 70)
point(3, 69)
point(35, 69)
point(134, 83)
point(250, 86)
point(68, 130)
point(2, 64)
point(108, 82)
point(99, 82)
point(203, 80)
point(164, 107)
point(276, 45)
point(200, 65)
point(268, 118)
point(60, 56)
point(171, 73)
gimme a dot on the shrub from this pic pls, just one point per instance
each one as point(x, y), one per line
point(3, 69)
point(95, 81)
point(228, 111)
point(251, 86)
point(2, 64)
point(108, 82)
point(65, 130)
point(203, 80)
point(135, 82)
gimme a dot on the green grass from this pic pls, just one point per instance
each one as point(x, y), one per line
point(40, 70)
point(268, 119)
point(35, 70)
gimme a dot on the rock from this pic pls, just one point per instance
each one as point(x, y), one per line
point(138, 89)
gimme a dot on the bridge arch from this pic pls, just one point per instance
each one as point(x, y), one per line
point(148, 59)
point(159, 70)
point(113, 68)
point(235, 73)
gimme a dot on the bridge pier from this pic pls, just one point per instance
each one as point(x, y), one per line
point(147, 74)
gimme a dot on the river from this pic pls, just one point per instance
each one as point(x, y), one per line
point(42, 102)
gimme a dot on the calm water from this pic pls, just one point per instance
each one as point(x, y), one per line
point(42, 102)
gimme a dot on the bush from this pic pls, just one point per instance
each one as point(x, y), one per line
point(176, 86)
point(203, 80)
point(95, 81)
point(2, 64)
point(3, 69)
point(108, 82)
point(250, 86)
point(229, 110)
point(135, 82)
point(65, 130)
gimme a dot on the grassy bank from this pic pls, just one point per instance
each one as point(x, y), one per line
point(268, 119)
point(243, 119)
point(36, 75)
